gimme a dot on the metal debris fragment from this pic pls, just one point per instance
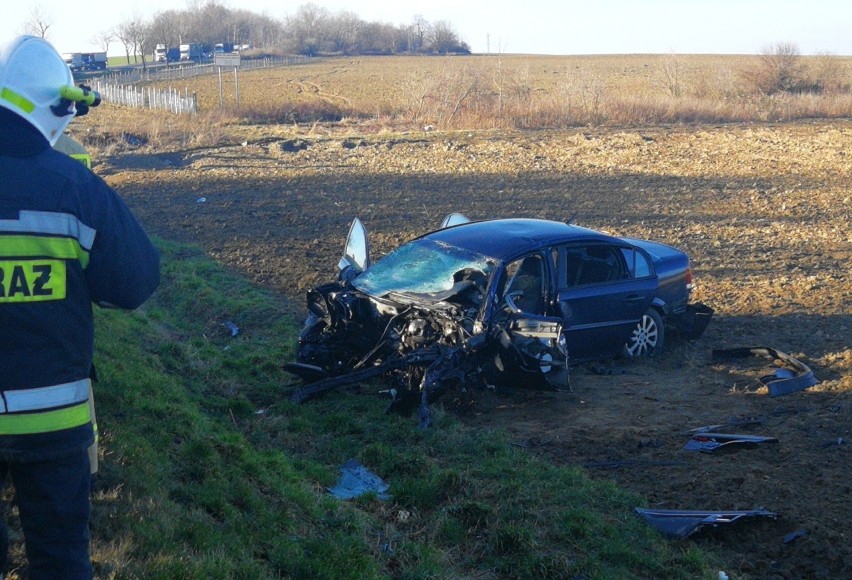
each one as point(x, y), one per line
point(729, 422)
point(631, 463)
point(709, 442)
point(682, 523)
point(793, 375)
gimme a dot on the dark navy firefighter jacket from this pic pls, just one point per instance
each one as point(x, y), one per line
point(67, 240)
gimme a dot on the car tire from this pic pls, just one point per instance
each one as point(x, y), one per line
point(647, 338)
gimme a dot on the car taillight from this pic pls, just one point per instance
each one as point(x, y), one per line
point(690, 285)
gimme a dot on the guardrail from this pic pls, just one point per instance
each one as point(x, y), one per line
point(158, 72)
point(119, 86)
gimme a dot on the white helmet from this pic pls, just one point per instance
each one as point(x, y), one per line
point(31, 76)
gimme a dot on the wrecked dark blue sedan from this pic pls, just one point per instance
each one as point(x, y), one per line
point(507, 301)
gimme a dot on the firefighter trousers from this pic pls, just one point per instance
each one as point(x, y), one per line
point(54, 506)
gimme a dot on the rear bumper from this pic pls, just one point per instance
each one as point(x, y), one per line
point(693, 322)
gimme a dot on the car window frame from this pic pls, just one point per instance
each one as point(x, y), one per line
point(562, 282)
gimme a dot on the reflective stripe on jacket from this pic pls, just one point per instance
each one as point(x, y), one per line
point(45, 409)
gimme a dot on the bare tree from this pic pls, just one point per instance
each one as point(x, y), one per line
point(103, 39)
point(376, 38)
point(345, 31)
point(444, 39)
point(241, 26)
point(165, 28)
point(38, 22)
point(780, 69)
point(214, 21)
point(421, 30)
point(123, 34)
point(135, 35)
point(266, 32)
point(672, 69)
point(307, 28)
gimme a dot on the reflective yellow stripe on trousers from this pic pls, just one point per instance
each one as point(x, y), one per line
point(45, 409)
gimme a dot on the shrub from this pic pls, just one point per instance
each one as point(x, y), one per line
point(780, 70)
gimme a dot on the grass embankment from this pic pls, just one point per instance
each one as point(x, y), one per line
point(208, 471)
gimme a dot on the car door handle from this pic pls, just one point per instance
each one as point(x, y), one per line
point(634, 298)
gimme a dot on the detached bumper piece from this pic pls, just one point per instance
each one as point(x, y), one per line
point(682, 523)
point(792, 375)
point(708, 442)
point(694, 321)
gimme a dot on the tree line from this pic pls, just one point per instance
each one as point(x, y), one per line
point(312, 30)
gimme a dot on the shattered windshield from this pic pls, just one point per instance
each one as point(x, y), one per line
point(421, 267)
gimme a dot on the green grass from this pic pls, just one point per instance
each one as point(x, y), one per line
point(208, 471)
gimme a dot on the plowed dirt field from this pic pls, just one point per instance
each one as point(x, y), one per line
point(764, 212)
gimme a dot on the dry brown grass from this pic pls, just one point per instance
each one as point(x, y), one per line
point(375, 95)
point(482, 92)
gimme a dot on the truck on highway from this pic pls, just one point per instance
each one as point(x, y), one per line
point(191, 51)
point(86, 61)
point(163, 54)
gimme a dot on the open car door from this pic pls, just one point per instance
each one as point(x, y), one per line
point(539, 349)
point(532, 341)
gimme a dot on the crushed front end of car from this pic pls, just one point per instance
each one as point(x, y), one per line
point(424, 318)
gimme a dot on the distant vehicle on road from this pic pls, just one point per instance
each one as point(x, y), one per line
point(192, 51)
point(163, 54)
point(86, 61)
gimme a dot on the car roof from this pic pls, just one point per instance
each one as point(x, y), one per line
point(506, 238)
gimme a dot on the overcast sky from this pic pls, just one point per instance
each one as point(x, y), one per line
point(518, 26)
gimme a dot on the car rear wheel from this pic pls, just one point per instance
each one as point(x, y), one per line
point(647, 338)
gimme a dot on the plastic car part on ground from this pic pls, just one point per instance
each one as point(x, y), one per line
point(356, 480)
point(793, 375)
point(729, 422)
point(801, 533)
point(682, 523)
point(708, 442)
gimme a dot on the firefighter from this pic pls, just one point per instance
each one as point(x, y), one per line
point(74, 149)
point(67, 240)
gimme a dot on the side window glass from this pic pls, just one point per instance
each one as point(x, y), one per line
point(643, 267)
point(637, 263)
point(599, 264)
point(570, 275)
